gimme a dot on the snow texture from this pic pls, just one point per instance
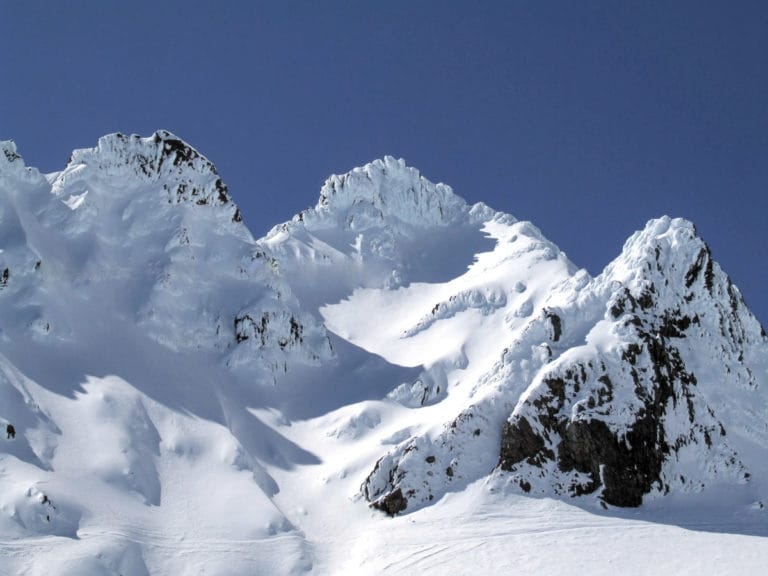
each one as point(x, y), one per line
point(393, 381)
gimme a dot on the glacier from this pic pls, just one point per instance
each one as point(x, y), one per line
point(393, 380)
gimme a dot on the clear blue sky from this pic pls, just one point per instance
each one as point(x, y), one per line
point(587, 118)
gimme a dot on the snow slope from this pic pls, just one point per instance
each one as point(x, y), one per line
point(186, 398)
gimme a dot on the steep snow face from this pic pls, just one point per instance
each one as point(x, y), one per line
point(144, 229)
point(135, 308)
point(379, 226)
point(21, 190)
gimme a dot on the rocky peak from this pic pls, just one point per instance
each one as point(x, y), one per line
point(9, 154)
point(382, 192)
point(652, 381)
point(162, 159)
point(671, 361)
point(665, 271)
point(152, 157)
point(666, 250)
point(12, 164)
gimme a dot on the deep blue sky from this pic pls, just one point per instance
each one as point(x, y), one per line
point(587, 118)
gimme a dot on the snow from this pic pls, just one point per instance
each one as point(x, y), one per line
point(473, 532)
point(187, 398)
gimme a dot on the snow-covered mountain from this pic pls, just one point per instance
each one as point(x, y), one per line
point(178, 395)
point(647, 379)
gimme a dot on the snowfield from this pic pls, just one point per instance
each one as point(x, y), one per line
point(393, 382)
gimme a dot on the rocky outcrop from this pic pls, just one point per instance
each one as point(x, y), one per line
point(178, 170)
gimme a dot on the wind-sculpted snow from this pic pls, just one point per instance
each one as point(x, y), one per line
point(177, 396)
point(486, 300)
point(145, 228)
point(182, 172)
point(385, 191)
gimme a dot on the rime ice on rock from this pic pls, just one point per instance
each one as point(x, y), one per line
point(146, 228)
point(181, 171)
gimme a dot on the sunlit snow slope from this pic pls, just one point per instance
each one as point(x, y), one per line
point(178, 397)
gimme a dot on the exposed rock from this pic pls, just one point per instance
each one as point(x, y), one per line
point(393, 503)
point(555, 325)
point(519, 442)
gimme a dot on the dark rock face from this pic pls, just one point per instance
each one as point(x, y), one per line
point(388, 498)
point(625, 461)
point(555, 325)
point(519, 442)
point(629, 468)
point(393, 503)
point(703, 262)
point(288, 332)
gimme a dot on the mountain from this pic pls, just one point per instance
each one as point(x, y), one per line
point(178, 394)
point(647, 379)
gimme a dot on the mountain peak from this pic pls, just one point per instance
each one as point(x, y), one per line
point(154, 156)
point(674, 233)
point(162, 159)
point(9, 155)
point(383, 190)
point(12, 162)
point(667, 252)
